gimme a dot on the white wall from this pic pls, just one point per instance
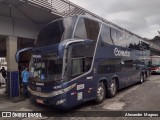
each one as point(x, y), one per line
point(18, 28)
point(6, 27)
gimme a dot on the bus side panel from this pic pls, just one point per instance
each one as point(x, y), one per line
point(84, 90)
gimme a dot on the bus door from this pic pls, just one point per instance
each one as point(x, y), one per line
point(80, 58)
point(23, 58)
point(80, 71)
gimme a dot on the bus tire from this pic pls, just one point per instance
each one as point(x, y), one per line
point(145, 77)
point(112, 88)
point(141, 78)
point(100, 93)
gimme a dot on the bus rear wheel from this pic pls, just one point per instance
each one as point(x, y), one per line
point(141, 78)
point(113, 88)
point(100, 93)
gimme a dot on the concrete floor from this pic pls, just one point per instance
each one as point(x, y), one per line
point(139, 97)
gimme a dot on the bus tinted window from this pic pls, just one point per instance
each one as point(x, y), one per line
point(82, 50)
point(56, 32)
point(114, 36)
point(105, 35)
point(123, 39)
point(126, 40)
point(46, 36)
point(127, 65)
point(81, 29)
point(77, 66)
point(109, 66)
point(87, 29)
point(80, 65)
point(120, 38)
point(69, 24)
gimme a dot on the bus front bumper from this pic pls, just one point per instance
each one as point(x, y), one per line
point(57, 97)
point(58, 101)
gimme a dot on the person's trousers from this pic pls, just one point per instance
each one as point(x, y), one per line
point(6, 82)
point(25, 91)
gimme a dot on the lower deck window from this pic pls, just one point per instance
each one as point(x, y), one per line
point(77, 66)
point(80, 65)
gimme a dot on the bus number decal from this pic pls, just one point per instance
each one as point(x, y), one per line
point(37, 56)
point(89, 78)
point(79, 96)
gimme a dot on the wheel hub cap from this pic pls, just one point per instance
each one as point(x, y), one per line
point(113, 88)
point(100, 93)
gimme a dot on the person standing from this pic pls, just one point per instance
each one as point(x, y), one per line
point(4, 74)
point(25, 78)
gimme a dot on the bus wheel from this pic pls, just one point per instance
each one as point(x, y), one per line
point(141, 78)
point(113, 88)
point(100, 93)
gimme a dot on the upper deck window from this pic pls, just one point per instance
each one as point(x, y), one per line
point(128, 41)
point(56, 32)
point(87, 29)
point(105, 34)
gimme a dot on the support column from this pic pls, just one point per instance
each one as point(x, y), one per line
point(11, 45)
point(12, 67)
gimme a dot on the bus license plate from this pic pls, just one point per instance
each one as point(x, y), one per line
point(39, 101)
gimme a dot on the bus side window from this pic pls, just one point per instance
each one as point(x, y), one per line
point(105, 34)
point(109, 66)
point(77, 67)
point(80, 65)
point(87, 29)
point(80, 30)
point(127, 65)
point(88, 62)
point(114, 36)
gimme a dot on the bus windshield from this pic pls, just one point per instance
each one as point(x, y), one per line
point(56, 32)
point(47, 67)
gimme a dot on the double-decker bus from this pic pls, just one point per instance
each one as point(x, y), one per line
point(155, 64)
point(79, 58)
